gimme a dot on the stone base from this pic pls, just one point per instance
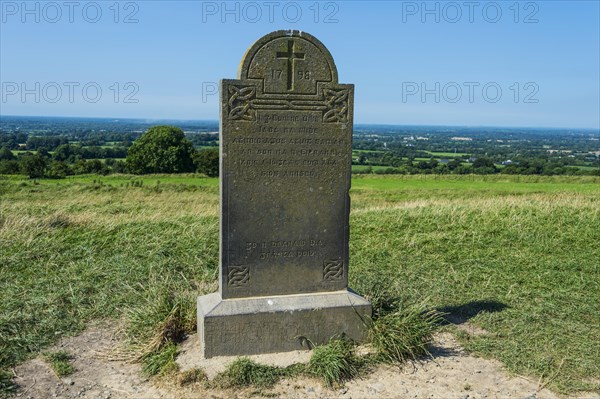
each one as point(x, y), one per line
point(283, 323)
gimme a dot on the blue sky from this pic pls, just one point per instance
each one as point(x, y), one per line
point(529, 63)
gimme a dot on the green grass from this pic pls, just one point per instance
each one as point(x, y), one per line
point(76, 252)
point(514, 255)
point(517, 259)
point(60, 362)
point(403, 187)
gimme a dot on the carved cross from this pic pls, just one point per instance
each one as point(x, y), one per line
point(290, 56)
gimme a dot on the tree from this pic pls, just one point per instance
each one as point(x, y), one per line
point(162, 149)
point(207, 162)
point(43, 151)
point(58, 170)
point(483, 162)
point(484, 166)
point(6, 154)
point(96, 166)
point(63, 152)
point(455, 163)
point(34, 166)
point(119, 167)
point(90, 166)
point(9, 167)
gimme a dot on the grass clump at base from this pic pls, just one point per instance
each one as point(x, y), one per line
point(60, 362)
point(404, 334)
point(161, 361)
point(245, 372)
point(334, 362)
point(166, 315)
point(400, 329)
point(156, 325)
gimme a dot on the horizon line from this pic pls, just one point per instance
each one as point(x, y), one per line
point(150, 120)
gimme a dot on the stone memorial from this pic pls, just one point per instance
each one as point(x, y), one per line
point(286, 155)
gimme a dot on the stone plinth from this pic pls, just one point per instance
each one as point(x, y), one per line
point(278, 323)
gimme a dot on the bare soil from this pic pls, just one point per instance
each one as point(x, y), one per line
point(450, 374)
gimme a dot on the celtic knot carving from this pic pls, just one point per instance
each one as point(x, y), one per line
point(243, 104)
point(333, 270)
point(240, 103)
point(238, 276)
point(337, 104)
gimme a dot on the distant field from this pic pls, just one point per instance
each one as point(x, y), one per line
point(588, 167)
point(447, 154)
point(361, 168)
point(516, 256)
point(367, 151)
point(119, 180)
point(17, 152)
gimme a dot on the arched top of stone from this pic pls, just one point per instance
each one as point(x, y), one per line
point(288, 61)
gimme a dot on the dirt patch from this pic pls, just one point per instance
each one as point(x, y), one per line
point(95, 375)
point(190, 357)
point(451, 374)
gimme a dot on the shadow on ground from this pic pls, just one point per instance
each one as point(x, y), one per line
point(439, 350)
point(459, 316)
point(462, 313)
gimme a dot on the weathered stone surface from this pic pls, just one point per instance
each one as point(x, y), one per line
point(286, 155)
point(286, 141)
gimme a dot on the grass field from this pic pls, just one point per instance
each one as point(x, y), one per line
point(516, 256)
point(360, 168)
